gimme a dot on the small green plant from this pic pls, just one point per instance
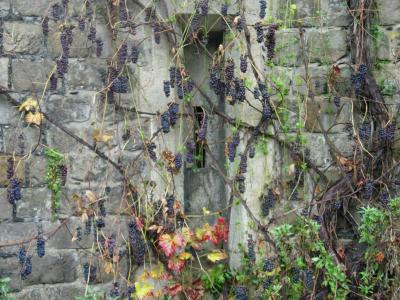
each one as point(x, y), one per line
point(91, 294)
point(216, 279)
point(5, 289)
point(53, 180)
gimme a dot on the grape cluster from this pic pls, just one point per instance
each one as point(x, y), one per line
point(14, 191)
point(157, 32)
point(230, 70)
point(336, 101)
point(79, 233)
point(241, 293)
point(66, 39)
point(53, 82)
point(266, 283)
point(130, 290)
point(189, 85)
point(358, 79)
point(240, 90)
point(134, 54)
point(390, 133)
point(89, 9)
point(243, 63)
point(266, 108)
point(195, 23)
point(149, 14)
point(365, 131)
point(382, 134)
point(45, 26)
point(137, 243)
point(240, 179)
point(167, 88)
point(179, 84)
point(263, 8)
point(26, 267)
point(232, 146)
point(92, 34)
point(123, 54)
point(89, 272)
point(240, 21)
point(57, 11)
point(65, 3)
point(270, 41)
point(296, 275)
point(102, 208)
point(256, 132)
point(165, 123)
point(216, 84)
point(123, 12)
point(62, 66)
point(337, 204)
point(111, 244)
point(318, 220)
point(384, 199)
point(202, 133)
point(114, 292)
point(251, 249)
point(10, 168)
point(243, 164)
point(294, 196)
point(88, 225)
point(269, 265)
point(172, 72)
point(170, 204)
point(81, 24)
point(22, 255)
point(40, 245)
point(268, 202)
point(63, 174)
point(259, 32)
point(100, 223)
point(190, 148)
point(309, 279)
point(178, 161)
point(99, 47)
point(252, 152)
point(150, 149)
point(120, 84)
point(224, 9)
point(368, 189)
point(204, 8)
point(173, 109)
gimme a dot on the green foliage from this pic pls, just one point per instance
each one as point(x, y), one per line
point(53, 180)
point(91, 294)
point(5, 288)
point(216, 278)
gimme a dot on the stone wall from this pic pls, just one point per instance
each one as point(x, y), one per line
point(77, 110)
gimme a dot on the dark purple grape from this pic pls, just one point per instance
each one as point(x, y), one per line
point(172, 74)
point(167, 88)
point(14, 191)
point(62, 66)
point(269, 265)
point(204, 8)
point(243, 164)
point(382, 134)
point(232, 146)
point(81, 24)
point(149, 13)
point(170, 204)
point(165, 123)
point(365, 132)
point(178, 161)
point(259, 32)
point(150, 149)
point(10, 168)
point(89, 272)
point(41, 245)
point(123, 12)
point(22, 255)
point(384, 199)
point(88, 225)
point(263, 7)
point(240, 180)
point(270, 41)
point(230, 70)
point(53, 82)
point(122, 54)
point(137, 243)
point(57, 11)
point(134, 54)
point(390, 133)
point(240, 21)
point(252, 152)
point(173, 109)
point(240, 90)
point(296, 275)
point(368, 189)
point(268, 202)
point(195, 22)
point(157, 32)
point(63, 174)
point(224, 9)
point(202, 133)
point(114, 292)
point(251, 249)
point(309, 279)
point(190, 148)
point(26, 268)
point(102, 208)
point(45, 26)
point(65, 3)
point(99, 47)
point(120, 84)
point(100, 223)
point(241, 293)
point(79, 233)
point(243, 63)
point(336, 101)
point(92, 34)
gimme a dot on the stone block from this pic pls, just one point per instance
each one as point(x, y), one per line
point(287, 50)
point(35, 204)
point(326, 45)
point(70, 108)
point(65, 291)
point(30, 75)
point(88, 74)
point(80, 44)
point(22, 38)
point(389, 12)
point(4, 62)
point(4, 8)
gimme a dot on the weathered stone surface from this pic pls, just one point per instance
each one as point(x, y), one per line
point(4, 8)
point(287, 50)
point(30, 75)
point(19, 168)
point(326, 45)
point(56, 292)
point(4, 62)
point(22, 38)
point(70, 108)
point(88, 74)
point(389, 12)
point(80, 44)
point(35, 204)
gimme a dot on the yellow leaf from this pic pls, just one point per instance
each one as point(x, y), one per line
point(185, 256)
point(84, 217)
point(91, 196)
point(101, 137)
point(157, 272)
point(29, 104)
point(34, 118)
point(217, 256)
point(143, 289)
point(206, 211)
point(108, 268)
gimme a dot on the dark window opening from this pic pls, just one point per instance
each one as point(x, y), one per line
point(200, 154)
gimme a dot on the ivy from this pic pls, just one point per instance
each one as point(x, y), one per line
point(53, 180)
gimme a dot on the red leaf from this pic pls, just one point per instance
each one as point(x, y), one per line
point(220, 231)
point(196, 291)
point(167, 245)
point(174, 290)
point(176, 264)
